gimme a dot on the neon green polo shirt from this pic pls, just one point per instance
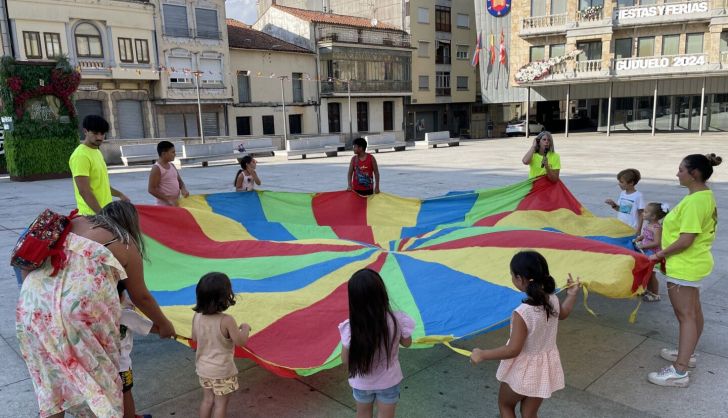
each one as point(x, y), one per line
point(88, 162)
point(695, 214)
point(535, 168)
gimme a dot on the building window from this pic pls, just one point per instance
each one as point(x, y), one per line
point(297, 84)
point(211, 69)
point(423, 49)
point(423, 15)
point(538, 8)
point(723, 41)
point(243, 87)
point(628, 3)
point(388, 112)
point(126, 53)
point(592, 50)
point(206, 22)
point(142, 50)
point(462, 83)
point(694, 43)
point(181, 70)
point(558, 7)
point(334, 117)
point(88, 41)
point(463, 52)
point(424, 82)
point(32, 45)
point(623, 48)
point(269, 125)
point(53, 45)
point(442, 55)
point(646, 46)
point(362, 116)
point(175, 21)
point(442, 19)
point(294, 124)
point(463, 21)
point(243, 125)
point(670, 44)
point(442, 83)
point(537, 53)
point(585, 4)
point(557, 50)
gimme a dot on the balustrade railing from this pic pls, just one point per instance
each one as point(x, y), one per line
point(588, 66)
point(543, 22)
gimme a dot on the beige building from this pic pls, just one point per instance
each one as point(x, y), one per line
point(443, 37)
point(110, 41)
point(363, 68)
point(266, 70)
point(192, 45)
point(627, 65)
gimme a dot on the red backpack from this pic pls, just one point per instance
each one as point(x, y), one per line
point(44, 238)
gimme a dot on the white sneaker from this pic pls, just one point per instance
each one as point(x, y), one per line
point(669, 377)
point(670, 354)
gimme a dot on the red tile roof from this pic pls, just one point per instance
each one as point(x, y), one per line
point(243, 36)
point(335, 19)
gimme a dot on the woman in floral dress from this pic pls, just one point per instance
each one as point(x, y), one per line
point(68, 324)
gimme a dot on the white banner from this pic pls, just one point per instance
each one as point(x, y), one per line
point(662, 10)
point(659, 62)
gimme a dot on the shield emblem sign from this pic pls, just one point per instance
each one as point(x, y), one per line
point(498, 8)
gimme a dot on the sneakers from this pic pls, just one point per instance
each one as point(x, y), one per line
point(669, 377)
point(671, 355)
point(650, 297)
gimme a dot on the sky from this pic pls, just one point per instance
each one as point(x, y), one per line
point(243, 10)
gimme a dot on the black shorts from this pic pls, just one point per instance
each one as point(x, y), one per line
point(127, 380)
point(368, 192)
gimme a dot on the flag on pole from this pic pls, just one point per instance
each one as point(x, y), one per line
point(492, 49)
point(502, 48)
point(478, 48)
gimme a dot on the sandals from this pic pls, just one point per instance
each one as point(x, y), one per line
point(651, 297)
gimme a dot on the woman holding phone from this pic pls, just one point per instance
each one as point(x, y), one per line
point(542, 159)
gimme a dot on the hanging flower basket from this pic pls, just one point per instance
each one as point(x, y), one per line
point(591, 13)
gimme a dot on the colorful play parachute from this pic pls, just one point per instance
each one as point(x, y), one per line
point(444, 260)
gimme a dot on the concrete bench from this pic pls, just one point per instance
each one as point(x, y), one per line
point(328, 145)
point(384, 141)
point(138, 153)
point(255, 146)
point(440, 138)
point(204, 153)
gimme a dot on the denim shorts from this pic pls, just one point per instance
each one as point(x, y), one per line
point(386, 396)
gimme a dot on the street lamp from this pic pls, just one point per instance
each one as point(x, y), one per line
point(197, 75)
point(283, 101)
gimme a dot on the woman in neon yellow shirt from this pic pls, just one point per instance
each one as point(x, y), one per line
point(688, 232)
point(542, 159)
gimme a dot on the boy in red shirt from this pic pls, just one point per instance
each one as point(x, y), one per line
point(363, 176)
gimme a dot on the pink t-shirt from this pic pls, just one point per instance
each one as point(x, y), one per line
point(168, 183)
point(381, 376)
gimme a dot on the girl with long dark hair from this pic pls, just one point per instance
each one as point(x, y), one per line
point(370, 341)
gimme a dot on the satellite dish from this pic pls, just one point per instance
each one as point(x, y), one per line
point(374, 21)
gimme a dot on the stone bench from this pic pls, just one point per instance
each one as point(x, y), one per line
point(328, 145)
point(137, 153)
point(204, 153)
point(384, 141)
point(440, 138)
point(255, 146)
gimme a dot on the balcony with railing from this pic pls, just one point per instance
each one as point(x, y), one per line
point(340, 87)
point(668, 12)
point(93, 66)
point(724, 59)
point(592, 16)
point(392, 38)
point(543, 25)
point(588, 66)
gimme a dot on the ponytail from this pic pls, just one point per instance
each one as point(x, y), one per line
point(533, 267)
point(235, 180)
point(538, 293)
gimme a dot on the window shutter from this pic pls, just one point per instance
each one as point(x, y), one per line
point(209, 124)
point(131, 125)
point(181, 68)
point(174, 125)
point(175, 21)
point(211, 71)
point(206, 20)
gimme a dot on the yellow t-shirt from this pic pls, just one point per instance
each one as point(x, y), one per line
point(695, 214)
point(535, 168)
point(88, 162)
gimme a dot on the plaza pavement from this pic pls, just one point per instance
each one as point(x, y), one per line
point(605, 358)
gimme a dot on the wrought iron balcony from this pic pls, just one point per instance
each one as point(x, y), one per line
point(366, 86)
point(343, 34)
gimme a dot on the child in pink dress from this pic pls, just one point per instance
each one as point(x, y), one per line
point(530, 368)
point(370, 341)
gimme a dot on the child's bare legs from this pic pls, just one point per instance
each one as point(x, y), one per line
point(654, 286)
point(208, 401)
point(508, 399)
point(221, 403)
point(385, 410)
point(129, 407)
point(364, 410)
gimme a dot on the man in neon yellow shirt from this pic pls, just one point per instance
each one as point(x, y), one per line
point(88, 168)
